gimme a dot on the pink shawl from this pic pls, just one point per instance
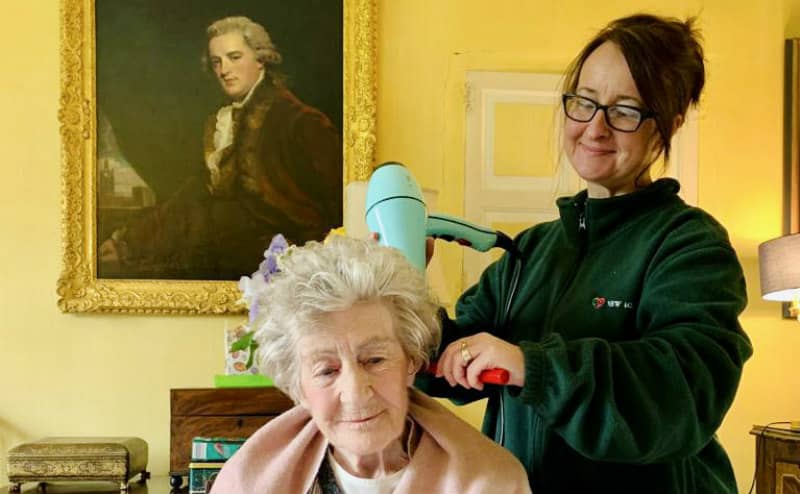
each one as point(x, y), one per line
point(451, 457)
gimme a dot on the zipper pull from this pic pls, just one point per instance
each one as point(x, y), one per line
point(581, 207)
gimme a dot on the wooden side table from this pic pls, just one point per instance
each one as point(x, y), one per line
point(217, 412)
point(777, 460)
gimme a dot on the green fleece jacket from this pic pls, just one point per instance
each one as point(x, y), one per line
point(627, 314)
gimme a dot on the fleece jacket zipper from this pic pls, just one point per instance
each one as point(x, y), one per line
point(538, 428)
point(581, 206)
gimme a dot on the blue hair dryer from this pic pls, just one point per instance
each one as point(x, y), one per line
point(396, 211)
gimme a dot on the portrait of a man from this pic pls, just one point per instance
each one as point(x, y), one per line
point(263, 161)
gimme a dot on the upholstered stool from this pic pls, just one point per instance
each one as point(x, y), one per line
point(113, 459)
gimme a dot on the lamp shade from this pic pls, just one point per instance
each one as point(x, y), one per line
point(779, 264)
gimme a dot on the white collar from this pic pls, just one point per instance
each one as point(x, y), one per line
point(239, 104)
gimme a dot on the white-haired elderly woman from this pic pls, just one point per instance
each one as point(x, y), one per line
point(342, 328)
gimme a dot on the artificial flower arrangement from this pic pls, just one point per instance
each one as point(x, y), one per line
point(251, 286)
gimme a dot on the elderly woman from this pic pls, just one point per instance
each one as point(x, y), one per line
point(343, 327)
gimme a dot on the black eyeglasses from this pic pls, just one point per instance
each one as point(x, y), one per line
point(623, 118)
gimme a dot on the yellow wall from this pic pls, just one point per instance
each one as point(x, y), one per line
point(89, 374)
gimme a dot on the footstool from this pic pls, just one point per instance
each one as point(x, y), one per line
point(113, 459)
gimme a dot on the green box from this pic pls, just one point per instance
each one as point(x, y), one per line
point(241, 381)
point(206, 449)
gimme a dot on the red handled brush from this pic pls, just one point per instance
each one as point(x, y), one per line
point(489, 376)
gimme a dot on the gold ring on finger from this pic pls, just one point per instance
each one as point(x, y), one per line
point(465, 353)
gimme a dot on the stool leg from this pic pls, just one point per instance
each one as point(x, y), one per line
point(175, 481)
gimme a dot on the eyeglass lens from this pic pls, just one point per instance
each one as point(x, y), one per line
point(619, 117)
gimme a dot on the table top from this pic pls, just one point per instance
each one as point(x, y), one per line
point(155, 485)
point(782, 432)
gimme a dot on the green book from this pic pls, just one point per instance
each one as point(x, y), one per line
point(210, 449)
point(241, 381)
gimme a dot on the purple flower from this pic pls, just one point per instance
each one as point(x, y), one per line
point(278, 245)
point(267, 268)
point(269, 265)
point(252, 286)
point(251, 316)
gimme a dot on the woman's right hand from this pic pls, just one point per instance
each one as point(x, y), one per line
point(462, 362)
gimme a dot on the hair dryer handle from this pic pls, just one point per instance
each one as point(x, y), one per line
point(454, 229)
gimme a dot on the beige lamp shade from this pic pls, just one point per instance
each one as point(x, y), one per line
point(779, 263)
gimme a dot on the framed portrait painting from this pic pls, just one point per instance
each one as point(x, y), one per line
point(194, 132)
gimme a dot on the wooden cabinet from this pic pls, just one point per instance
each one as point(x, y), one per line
point(217, 412)
point(777, 460)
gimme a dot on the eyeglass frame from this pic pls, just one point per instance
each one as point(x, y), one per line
point(645, 114)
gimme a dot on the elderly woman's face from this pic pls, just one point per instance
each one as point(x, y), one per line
point(234, 63)
point(354, 379)
point(609, 160)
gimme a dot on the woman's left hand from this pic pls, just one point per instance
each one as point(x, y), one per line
point(464, 359)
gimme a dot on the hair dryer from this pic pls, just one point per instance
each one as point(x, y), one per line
point(397, 212)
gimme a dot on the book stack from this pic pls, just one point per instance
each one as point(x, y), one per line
point(208, 456)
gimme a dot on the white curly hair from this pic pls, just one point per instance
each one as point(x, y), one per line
point(320, 278)
point(254, 35)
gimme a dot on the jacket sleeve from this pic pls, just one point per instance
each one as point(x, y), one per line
point(663, 395)
point(317, 148)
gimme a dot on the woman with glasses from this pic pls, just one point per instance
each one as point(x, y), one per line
point(618, 323)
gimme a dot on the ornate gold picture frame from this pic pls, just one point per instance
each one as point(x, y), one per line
point(79, 288)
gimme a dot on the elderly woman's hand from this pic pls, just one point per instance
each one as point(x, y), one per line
point(464, 359)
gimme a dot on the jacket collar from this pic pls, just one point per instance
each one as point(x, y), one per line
point(603, 217)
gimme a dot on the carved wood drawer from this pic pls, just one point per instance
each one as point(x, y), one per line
point(777, 460)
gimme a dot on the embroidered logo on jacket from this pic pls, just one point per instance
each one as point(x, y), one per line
point(600, 302)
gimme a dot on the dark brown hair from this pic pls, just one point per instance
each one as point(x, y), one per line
point(665, 57)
